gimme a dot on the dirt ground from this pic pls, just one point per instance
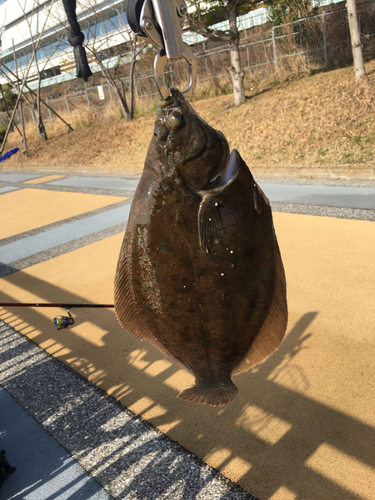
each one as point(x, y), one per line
point(322, 121)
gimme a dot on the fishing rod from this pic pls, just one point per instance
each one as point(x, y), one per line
point(61, 321)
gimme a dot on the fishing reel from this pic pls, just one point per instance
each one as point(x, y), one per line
point(161, 21)
point(62, 322)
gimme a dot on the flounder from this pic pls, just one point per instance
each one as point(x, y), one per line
point(200, 274)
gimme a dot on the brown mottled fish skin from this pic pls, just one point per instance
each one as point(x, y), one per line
point(200, 274)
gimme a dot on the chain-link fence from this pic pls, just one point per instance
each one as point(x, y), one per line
point(272, 52)
point(319, 41)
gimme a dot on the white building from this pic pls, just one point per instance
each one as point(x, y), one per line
point(25, 21)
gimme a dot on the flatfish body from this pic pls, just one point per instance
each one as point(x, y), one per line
point(200, 274)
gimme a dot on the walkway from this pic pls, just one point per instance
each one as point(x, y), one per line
point(302, 419)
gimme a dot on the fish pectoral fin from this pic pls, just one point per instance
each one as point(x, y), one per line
point(209, 220)
point(209, 224)
point(212, 393)
point(259, 198)
point(225, 179)
point(227, 176)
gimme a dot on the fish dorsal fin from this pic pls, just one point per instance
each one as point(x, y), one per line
point(274, 327)
point(209, 220)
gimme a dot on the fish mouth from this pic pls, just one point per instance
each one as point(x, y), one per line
point(176, 129)
point(175, 96)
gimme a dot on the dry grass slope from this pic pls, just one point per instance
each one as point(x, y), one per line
point(324, 120)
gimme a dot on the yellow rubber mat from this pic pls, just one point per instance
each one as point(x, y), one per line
point(303, 423)
point(28, 209)
point(47, 178)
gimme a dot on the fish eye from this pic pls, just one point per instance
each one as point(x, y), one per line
point(174, 120)
point(160, 131)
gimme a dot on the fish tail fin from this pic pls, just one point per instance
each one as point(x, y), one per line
point(213, 393)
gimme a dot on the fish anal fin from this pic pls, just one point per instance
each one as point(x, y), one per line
point(274, 327)
point(212, 393)
point(126, 309)
point(209, 224)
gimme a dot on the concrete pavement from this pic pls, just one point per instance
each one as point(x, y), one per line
point(44, 468)
point(302, 419)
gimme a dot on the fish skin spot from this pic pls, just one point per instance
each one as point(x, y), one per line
point(147, 307)
point(163, 246)
point(187, 260)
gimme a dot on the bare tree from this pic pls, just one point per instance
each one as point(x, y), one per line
point(115, 82)
point(100, 25)
point(201, 17)
point(28, 17)
point(7, 72)
point(359, 67)
point(21, 84)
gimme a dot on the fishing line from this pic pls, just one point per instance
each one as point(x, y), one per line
point(61, 321)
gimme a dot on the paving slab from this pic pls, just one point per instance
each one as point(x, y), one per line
point(69, 232)
point(331, 196)
point(6, 189)
point(120, 183)
point(337, 196)
point(43, 468)
point(47, 178)
point(17, 177)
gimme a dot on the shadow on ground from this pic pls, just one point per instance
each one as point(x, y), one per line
point(271, 439)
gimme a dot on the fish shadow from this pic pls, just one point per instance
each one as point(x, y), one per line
point(266, 440)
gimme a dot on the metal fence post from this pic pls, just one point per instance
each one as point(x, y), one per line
point(138, 93)
point(87, 97)
point(50, 114)
point(110, 93)
point(67, 104)
point(274, 49)
point(32, 115)
point(171, 73)
point(325, 39)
